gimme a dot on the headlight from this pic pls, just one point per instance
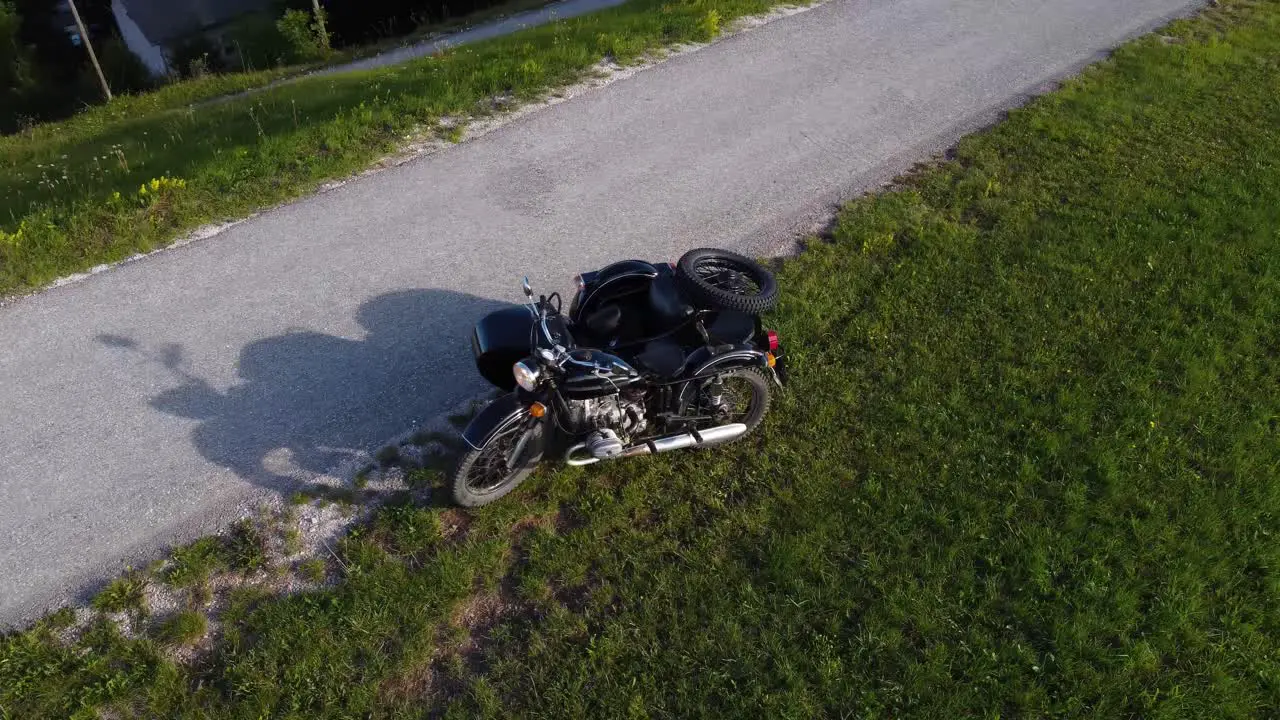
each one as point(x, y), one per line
point(526, 375)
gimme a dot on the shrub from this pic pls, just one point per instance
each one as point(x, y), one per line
point(304, 34)
point(197, 56)
point(14, 58)
point(17, 83)
point(125, 72)
point(709, 26)
point(258, 43)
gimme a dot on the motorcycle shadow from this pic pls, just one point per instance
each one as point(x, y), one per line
point(307, 402)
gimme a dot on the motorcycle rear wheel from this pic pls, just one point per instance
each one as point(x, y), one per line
point(483, 475)
point(747, 394)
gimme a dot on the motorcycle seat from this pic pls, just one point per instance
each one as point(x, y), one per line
point(663, 357)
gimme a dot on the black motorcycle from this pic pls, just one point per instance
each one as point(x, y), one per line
point(650, 358)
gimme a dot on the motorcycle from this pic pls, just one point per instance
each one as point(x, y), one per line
point(651, 357)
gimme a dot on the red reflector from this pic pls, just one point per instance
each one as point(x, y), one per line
point(773, 339)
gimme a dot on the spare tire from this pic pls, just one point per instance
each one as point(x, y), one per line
point(721, 280)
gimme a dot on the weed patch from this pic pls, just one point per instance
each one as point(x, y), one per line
point(313, 570)
point(246, 546)
point(193, 564)
point(126, 593)
point(183, 628)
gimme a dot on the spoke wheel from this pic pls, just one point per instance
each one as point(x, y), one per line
point(723, 280)
point(726, 276)
point(484, 475)
point(743, 396)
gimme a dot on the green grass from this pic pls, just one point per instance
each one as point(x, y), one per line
point(124, 593)
point(243, 549)
point(192, 565)
point(313, 569)
point(184, 628)
point(292, 541)
point(181, 94)
point(69, 192)
point(1027, 467)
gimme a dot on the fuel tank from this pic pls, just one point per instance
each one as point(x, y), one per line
point(593, 373)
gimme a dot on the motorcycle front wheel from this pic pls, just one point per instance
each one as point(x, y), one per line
point(491, 472)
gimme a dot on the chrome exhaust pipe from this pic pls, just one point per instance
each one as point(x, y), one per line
point(573, 458)
point(582, 453)
point(674, 442)
point(723, 433)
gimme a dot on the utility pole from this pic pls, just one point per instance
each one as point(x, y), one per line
point(93, 58)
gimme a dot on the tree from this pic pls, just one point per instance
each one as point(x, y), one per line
point(14, 58)
point(16, 81)
point(40, 68)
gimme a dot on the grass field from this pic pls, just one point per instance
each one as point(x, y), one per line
point(1028, 467)
point(71, 193)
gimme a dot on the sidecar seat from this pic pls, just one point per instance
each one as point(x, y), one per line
point(668, 307)
point(604, 323)
point(729, 326)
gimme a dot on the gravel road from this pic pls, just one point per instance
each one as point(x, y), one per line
point(146, 404)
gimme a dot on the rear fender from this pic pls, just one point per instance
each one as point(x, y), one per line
point(703, 361)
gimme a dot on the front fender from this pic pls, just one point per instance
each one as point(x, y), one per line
point(494, 418)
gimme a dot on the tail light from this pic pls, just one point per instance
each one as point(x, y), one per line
point(773, 340)
point(582, 284)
